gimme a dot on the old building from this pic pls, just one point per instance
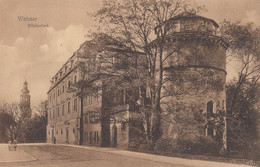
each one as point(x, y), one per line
point(197, 75)
point(71, 117)
point(195, 78)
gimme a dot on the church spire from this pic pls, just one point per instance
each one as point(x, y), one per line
point(25, 96)
point(25, 87)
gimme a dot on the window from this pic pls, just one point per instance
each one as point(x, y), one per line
point(61, 131)
point(74, 130)
point(86, 135)
point(209, 109)
point(97, 138)
point(69, 107)
point(86, 118)
point(94, 117)
point(58, 112)
point(210, 131)
point(53, 116)
point(210, 78)
point(75, 79)
point(85, 101)
point(63, 89)
point(96, 97)
point(58, 92)
point(68, 84)
point(63, 109)
point(89, 99)
point(50, 115)
point(90, 137)
point(75, 104)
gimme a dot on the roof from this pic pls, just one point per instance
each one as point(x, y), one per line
point(188, 15)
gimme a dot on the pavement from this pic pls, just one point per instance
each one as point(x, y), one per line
point(13, 156)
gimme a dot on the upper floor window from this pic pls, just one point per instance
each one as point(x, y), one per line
point(58, 111)
point(86, 118)
point(58, 92)
point(63, 109)
point(69, 107)
point(63, 88)
point(68, 84)
point(75, 104)
point(53, 116)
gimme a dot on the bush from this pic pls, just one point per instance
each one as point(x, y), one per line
point(199, 145)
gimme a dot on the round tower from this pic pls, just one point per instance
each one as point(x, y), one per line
point(195, 68)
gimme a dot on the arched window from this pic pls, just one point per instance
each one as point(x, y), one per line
point(75, 79)
point(209, 109)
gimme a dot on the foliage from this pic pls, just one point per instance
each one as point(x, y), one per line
point(6, 124)
point(243, 91)
point(129, 26)
point(243, 119)
point(17, 125)
point(36, 130)
point(199, 145)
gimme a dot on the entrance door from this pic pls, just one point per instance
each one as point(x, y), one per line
point(114, 136)
point(67, 136)
point(90, 137)
point(52, 135)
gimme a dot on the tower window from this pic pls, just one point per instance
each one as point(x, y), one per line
point(209, 109)
point(75, 78)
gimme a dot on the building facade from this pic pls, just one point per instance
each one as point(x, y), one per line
point(71, 117)
point(195, 77)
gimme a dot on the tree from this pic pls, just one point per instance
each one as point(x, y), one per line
point(8, 124)
point(130, 24)
point(243, 119)
point(243, 92)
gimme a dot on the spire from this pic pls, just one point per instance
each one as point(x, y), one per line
point(25, 87)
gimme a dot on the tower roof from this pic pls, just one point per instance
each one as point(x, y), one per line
point(25, 88)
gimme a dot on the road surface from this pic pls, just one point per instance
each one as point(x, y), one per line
point(41, 155)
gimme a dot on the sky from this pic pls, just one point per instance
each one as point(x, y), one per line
point(36, 54)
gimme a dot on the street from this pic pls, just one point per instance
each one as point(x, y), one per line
point(68, 156)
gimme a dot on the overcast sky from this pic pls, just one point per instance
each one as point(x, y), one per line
point(38, 53)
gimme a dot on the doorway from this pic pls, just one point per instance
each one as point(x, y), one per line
point(114, 136)
point(67, 136)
